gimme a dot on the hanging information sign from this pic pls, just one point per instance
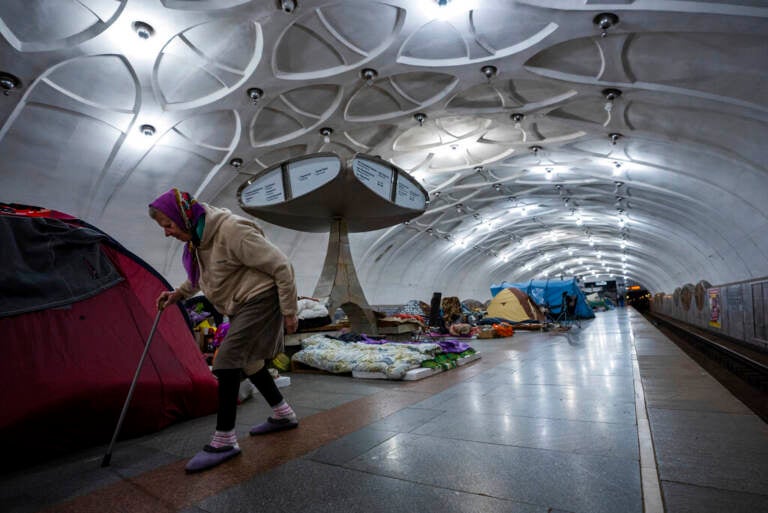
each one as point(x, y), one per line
point(306, 175)
point(375, 176)
point(409, 195)
point(264, 190)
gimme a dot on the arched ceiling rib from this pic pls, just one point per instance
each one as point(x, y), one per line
point(490, 81)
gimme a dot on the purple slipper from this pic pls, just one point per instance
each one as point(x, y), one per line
point(210, 456)
point(272, 425)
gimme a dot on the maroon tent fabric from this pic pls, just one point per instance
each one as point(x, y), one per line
point(65, 371)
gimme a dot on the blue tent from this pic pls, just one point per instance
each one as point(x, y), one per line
point(550, 293)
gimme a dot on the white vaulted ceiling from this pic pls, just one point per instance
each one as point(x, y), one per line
point(676, 197)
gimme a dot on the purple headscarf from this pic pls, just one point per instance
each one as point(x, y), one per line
point(184, 210)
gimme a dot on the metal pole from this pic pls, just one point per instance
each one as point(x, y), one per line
point(108, 456)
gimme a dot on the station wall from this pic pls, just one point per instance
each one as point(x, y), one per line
point(736, 310)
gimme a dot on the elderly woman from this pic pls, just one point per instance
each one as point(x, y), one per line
point(249, 279)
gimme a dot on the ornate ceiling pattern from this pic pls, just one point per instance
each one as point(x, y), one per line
point(555, 137)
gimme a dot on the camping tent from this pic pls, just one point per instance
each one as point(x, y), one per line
point(549, 293)
point(598, 302)
point(75, 313)
point(514, 305)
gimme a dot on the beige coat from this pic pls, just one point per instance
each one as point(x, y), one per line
point(237, 262)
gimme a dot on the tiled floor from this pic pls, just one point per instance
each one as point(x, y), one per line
point(543, 422)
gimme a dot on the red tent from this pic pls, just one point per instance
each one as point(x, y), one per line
point(75, 312)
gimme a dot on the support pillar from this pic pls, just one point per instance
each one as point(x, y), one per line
point(339, 287)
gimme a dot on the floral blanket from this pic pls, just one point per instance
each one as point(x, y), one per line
point(391, 359)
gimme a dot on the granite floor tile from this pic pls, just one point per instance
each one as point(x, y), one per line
point(406, 419)
point(578, 483)
point(350, 446)
point(596, 393)
point(42, 486)
point(310, 487)
point(596, 438)
point(711, 449)
point(682, 498)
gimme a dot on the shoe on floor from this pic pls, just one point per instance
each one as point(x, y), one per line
point(210, 457)
point(272, 425)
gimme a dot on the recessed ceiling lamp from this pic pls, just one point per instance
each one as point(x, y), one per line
point(549, 173)
point(236, 162)
point(604, 21)
point(255, 94)
point(517, 117)
point(143, 30)
point(489, 71)
point(614, 137)
point(420, 117)
point(369, 75)
point(288, 6)
point(147, 130)
point(326, 133)
point(9, 82)
point(611, 93)
point(535, 149)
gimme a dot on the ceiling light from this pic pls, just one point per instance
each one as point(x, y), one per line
point(611, 93)
point(143, 30)
point(549, 173)
point(420, 117)
point(614, 137)
point(255, 94)
point(288, 6)
point(489, 71)
point(535, 149)
point(236, 162)
point(605, 21)
point(326, 133)
point(369, 75)
point(147, 130)
point(9, 82)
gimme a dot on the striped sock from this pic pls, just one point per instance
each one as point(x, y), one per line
point(282, 410)
point(224, 438)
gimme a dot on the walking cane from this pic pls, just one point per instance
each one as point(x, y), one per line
point(108, 455)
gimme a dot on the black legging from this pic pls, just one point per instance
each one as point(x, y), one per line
point(229, 386)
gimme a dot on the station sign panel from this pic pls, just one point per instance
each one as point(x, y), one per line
point(374, 175)
point(267, 189)
point(306, 175)
point(409, 194)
